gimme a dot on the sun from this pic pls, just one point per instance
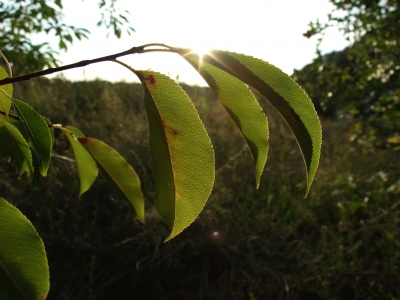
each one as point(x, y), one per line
point(201, 51)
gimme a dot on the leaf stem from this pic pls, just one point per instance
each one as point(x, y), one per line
point(125, 65)
point(10, 115)
point(8, 64)
point(64, 128)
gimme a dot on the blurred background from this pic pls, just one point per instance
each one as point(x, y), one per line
point(341, 242)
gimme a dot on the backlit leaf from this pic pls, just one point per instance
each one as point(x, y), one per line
point(14, 145)
point(243, 108)
point(39, 134)
point(5, 92)
point(24, 271)
point(182, 154)
point(86, 165)
point(285, 94)
point(48, 122)
point(36, 172)
point(122, 180)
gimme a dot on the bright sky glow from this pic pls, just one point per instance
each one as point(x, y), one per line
point(268, 29)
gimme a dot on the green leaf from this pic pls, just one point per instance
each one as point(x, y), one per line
point(36, 176)
point(14, 145)
point(86, 165)
point(49, 123)
point(36, 172)
point(122, 180)
point(285, 94)
point(39, 134)
point(182, 154)
point(5, 92)
point(24, 271)
point(243, 108)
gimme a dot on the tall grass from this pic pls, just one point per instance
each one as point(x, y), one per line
point(341, 242)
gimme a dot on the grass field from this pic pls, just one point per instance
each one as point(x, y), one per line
point(341, 242)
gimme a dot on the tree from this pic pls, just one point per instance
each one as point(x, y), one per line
point(183, 157)
point(362, 80)
point(22, 18)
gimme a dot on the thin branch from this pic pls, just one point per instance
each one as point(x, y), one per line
point(156, 45)
point(63, 157)
point(226, 165)
point(83, 63)
point(80, 64)
point(159, 50)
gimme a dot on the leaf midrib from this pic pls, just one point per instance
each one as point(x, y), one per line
point(36, 146)
point(168, 146)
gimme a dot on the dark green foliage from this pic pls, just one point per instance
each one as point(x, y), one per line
point(362, 81)
point(20, 19)
point(340, 243)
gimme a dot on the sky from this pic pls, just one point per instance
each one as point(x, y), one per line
point(271, 30)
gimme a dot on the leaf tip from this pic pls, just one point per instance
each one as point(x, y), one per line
point(175, 231)
point(140, 216)
point(170, 237)
point(81, 192)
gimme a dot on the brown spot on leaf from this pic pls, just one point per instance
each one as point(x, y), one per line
point(41, 297)
point(151, 79)
point(296, 116)
point(175, 132)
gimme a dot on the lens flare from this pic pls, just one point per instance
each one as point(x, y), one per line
point(201, 51)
